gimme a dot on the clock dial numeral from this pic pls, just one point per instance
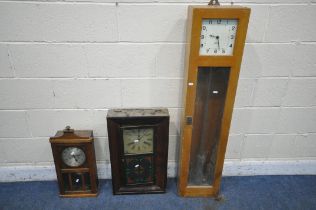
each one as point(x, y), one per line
point(147, 143)
point(138, 140)
point(218, 38)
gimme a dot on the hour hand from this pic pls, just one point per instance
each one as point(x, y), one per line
point(211, 35)
point(74, 156)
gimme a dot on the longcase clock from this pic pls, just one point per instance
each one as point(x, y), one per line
point(138, 141)
point(216, 37)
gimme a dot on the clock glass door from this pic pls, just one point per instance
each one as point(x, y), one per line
point(138, 143)
point(211, 91)
point(76, 181)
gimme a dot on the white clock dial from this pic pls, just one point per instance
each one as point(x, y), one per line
point(218, 36)
point(73, 156)
point(138, 141)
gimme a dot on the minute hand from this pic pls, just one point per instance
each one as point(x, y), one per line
point(217, 37)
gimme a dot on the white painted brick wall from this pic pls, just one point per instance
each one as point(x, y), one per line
point(291, 23)
point(68, 62)
point(5, 64)
point(26, 94)
point(45, 21)
point(269, 92)
point(13, 124)
point(152, 23)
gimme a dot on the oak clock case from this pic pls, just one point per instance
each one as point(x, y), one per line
point(75, 163)
point(138, 141)
point(216, 37)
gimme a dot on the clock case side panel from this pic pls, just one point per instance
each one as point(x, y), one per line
point(57, 161)
point(193, 63)
point(114, 126)
point(160, 159)
point(187, 93)
point(93, 167)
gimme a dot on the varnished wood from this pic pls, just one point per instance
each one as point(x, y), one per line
point(193, 62)
point(140, 118)
point(84, 140)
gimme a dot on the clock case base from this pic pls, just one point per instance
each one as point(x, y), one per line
point(80, 195)
point(158, 118)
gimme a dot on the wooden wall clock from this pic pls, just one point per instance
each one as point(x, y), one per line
point(216, 37)
point(138, 141)
point(75, 163)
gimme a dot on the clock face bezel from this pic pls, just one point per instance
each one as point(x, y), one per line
point(230, 13)
point(208, 37)
point(82, 151)
point(131, 127)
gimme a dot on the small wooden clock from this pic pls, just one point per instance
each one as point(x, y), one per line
point(216, 36)
point(138, 141)
point(75, 163)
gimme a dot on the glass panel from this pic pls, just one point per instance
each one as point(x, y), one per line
point(211, 90)
point(138, 140)
point(76, 181)
point(139, 169)
point(87, 181)
point(66, 181)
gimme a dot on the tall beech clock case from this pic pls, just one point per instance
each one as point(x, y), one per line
point(138, 140)
point(216, 37)
point(75, 163)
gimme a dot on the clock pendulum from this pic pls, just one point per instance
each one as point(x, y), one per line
point(216, 36)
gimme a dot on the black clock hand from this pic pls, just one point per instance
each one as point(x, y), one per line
point(217, 37)
point(143, 135)
point(74, 156)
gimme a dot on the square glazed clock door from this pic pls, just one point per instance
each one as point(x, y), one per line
point(138, 149)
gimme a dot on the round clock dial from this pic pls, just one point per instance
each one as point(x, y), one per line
point(218, 36)
point(73, 156)
point(138, 140)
